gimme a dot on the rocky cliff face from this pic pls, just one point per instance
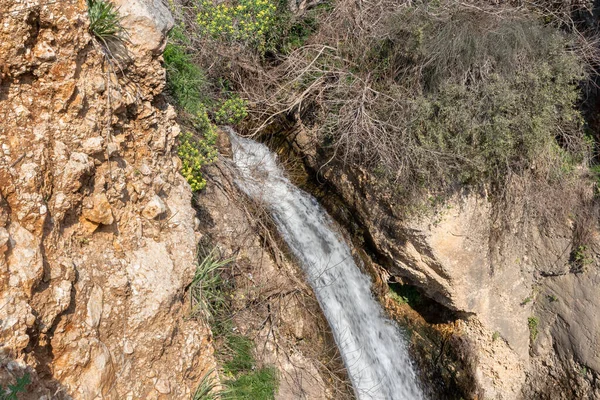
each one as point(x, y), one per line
point(528, 307)
point(97, 239)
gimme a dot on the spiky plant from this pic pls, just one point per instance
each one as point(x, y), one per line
point(105, 21)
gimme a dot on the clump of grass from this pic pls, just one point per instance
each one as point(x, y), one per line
point(246, 381)
point(206, 288)
point(185, 79)
point(495, 336)
point(105, 21)
point(206, 389)
point(532, 323)
point(11, 392)
point(260, 384)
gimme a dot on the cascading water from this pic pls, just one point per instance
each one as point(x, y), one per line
point(374, 352)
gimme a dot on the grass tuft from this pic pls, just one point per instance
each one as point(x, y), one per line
point(206, 294)
point(105, 21)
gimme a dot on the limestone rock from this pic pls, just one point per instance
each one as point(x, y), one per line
point(100, 212)
point(155, 208)
point(93, 145)
point(147, 21)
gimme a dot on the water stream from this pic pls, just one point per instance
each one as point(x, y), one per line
point(372, 347)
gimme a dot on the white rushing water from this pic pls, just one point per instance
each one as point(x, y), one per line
point(374, 352)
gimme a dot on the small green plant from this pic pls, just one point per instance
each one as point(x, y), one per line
point(260, 384)
point(207, 388)
point(232, 111)
point(186, 80)
point(532, 323)
point(246, 381)
point(495, 336)
point(105, 21)
point(404, 294)
point(10, 393)
point(195, 151)
point(580, 258)
point(526, 300)
point(552, 298)
point(583, 371)
point(206, 295)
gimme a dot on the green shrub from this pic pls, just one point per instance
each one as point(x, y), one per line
point(11, 392)
point(196, 150)
point(232, 111)
point(434, 97)
point(105, 21)
point(532, 323)
point(249, 22)
point(185, 79)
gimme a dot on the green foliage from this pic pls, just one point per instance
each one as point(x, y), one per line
point(580, 258)
point(206, 288)
point(495, 336)
point(206, 389)
point(232, 111)
point(405, 294)
point(10, 393)
point(187, 84)
point(195, 151)
point(432, 97)
point(246, 381)
point(260, 384)
point(243, 379)
point(532, 323)
point(239, 351)
point(526, 300)
point(185, 79)
point(105, 21)
point(249, 22)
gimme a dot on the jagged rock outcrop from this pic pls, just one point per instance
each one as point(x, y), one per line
point(97, 240)
point(511, 275)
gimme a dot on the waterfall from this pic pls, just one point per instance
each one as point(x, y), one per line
point(372, 347)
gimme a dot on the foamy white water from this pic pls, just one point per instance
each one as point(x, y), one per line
point(374, 352)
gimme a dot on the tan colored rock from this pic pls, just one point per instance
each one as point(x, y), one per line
point(155, 208)
point(94, 307)
point(148, 22)
point(101, 211)
point(93, 145)
point(4, 237)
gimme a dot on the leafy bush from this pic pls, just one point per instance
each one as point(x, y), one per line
point(105, 21)
point(232, 111)
point(428, 97)
point(249, 22)
point(185, 79)
point(195, 151)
